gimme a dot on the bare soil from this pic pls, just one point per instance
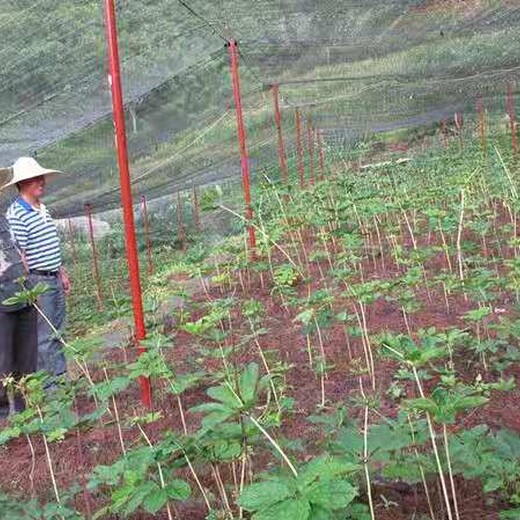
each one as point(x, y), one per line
point(75, 456)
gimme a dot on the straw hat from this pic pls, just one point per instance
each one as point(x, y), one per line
point(26, 168)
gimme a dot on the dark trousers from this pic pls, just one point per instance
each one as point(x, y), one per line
point(51, 357)
point(18, 348)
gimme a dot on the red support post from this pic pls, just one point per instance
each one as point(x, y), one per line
point(310, 145)
point(95, 263)
point(512, 119)
point(233, 55)
point(278, 121)
point(196, 210)
point(147, 234)
point(126, 190)
point(299, 147)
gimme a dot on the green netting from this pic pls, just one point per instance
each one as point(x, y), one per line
point(354, 68)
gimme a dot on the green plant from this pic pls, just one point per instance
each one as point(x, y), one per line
point(319, 489)
point(132, 485)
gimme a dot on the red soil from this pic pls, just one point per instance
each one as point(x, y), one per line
point(75, 457)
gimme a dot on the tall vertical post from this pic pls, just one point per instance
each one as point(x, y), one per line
point(310, 145)
point(299, 148)
point(235, 78)
point(511, 112)
point(147, 234)
point(95, 263)
point(126, 189)
point(278, 121)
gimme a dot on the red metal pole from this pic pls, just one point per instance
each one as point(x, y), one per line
point(147, 234)
point(233, 55)
point(95, 264)
point(512, 119)
point(310, 145)
point(278, 122)
point(126, 190)
point(299, 146)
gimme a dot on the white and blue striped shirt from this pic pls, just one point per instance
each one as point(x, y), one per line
point(36, 234)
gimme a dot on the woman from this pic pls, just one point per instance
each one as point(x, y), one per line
point(18, 323)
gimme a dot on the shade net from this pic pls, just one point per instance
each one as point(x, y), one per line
point(353, 69)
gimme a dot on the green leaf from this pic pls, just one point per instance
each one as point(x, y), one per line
point(350, 441)
point(211, 408)
point(178, 490)
point(424, 404)
point(508, 444)
point(108, 475)
point(292, 509)
point(248, 383)
point(7, 434)
point(320, 513)
point(463, 403)
point(389, 437)
point(478, 314)
point(215, 414)
point(106, 389)
point(342, 316)
point(226, 450)
point(225, 395)
point(57, 435)
point(131, 495)
point(358, 512)
point(402, 470)
point(263, 494)
point(155, 500)
point(331, 494)
point(325, 467)
point(305, 317)
point(492, 484)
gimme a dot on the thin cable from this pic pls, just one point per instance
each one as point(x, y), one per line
point(220, 35)
point(204, 20)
